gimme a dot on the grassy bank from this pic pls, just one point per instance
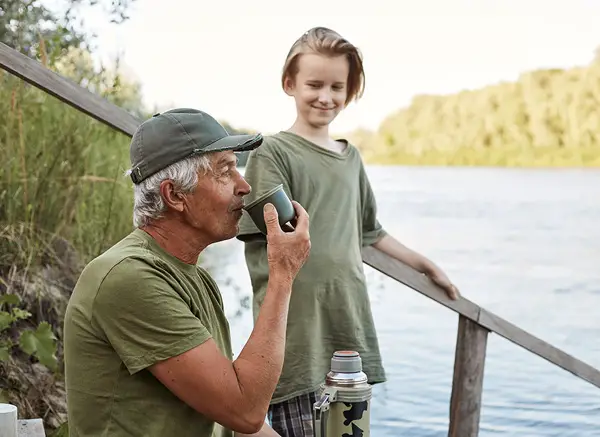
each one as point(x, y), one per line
point(63, 200)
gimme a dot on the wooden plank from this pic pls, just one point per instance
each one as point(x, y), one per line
point(539, 347)
point(418, 282)
point(467, 382)
point(31, 428)
point(67, 91)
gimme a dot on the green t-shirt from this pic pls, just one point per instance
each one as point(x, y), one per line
point(330, 308)
point(133, 306)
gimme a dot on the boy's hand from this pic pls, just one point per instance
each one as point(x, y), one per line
point(440, 279)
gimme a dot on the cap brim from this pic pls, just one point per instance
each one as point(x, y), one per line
point(237, 143)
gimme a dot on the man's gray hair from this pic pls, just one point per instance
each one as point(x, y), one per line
point(148, 204)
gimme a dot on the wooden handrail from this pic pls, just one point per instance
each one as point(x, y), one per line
point(67, 91)
point(474, 321)
point(418, 282)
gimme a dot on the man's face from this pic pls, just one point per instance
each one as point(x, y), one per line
point(215, 207)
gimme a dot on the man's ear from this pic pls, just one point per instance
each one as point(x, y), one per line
point(172, 198)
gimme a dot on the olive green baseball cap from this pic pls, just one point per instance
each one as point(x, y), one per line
point(171, 136)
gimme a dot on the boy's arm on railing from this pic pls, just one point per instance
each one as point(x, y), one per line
point(411, 278)
point(393, 248)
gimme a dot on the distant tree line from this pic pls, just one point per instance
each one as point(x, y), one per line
point(546, 118)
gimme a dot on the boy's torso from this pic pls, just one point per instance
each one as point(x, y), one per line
point(330, 308)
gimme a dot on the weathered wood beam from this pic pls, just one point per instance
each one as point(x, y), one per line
point(418, 282)
point(467, 383)
point(67, 91)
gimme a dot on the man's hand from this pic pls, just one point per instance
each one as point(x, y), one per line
point(287, 250)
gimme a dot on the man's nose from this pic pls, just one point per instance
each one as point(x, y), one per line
point(243, 187)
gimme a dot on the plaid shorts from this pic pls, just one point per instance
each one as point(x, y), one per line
point(294, 417)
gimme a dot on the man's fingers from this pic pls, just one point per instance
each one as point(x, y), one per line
point(271, 219)
point(301, 217)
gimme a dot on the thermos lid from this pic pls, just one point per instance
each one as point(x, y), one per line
point(346, 362)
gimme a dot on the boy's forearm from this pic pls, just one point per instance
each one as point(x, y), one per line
point(392, 247)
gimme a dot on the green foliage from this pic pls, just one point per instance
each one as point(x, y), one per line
point(61, 431)
point(39, 343)
point(63, 195)
point(63, 174)
point(24, 24)
point(546, 118)
point(36, 31)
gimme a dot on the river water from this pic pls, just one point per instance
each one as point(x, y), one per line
point(524, 244)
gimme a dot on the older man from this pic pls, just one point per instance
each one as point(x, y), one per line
point(147, 346)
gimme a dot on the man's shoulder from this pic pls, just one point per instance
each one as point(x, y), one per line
point(130, 250)
point(128, 262)
point(207, 279)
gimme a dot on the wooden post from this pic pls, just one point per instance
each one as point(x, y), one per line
point(467, 383)
point(8, 420)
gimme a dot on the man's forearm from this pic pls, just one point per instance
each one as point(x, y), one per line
point(266, 431)
point(260, 362)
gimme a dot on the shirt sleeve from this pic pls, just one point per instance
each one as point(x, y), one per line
point(143, 316)
point(372, 230)
point(262, 172)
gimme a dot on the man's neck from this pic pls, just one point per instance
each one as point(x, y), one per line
point(180, 241)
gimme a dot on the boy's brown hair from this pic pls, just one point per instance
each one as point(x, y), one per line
point(327, 42)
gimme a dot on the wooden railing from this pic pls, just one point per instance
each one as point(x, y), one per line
point(474, 322)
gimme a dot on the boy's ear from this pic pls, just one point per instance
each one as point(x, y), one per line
point(288, 86)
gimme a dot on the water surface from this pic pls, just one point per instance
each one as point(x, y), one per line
point(524, 244)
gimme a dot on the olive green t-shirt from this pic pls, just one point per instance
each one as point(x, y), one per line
point(133, 306)
point(330, 308)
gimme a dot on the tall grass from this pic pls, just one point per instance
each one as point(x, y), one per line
point(61, 174)
point(63, 200)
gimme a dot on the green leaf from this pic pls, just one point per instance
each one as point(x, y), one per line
point(40, 343)
point(5, 320)
point(18, 313)
point(62, 431)
point(4, 354)
point(11, 299)
point(3, 397)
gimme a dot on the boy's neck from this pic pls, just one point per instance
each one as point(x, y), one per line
point(319, 136)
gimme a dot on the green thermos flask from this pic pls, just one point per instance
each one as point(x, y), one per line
point(344, 405)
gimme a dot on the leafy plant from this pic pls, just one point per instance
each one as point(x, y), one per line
point(39, 343)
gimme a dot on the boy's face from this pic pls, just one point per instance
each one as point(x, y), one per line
point(320, 87)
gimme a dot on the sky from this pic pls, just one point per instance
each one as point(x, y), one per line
point(225, 57)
